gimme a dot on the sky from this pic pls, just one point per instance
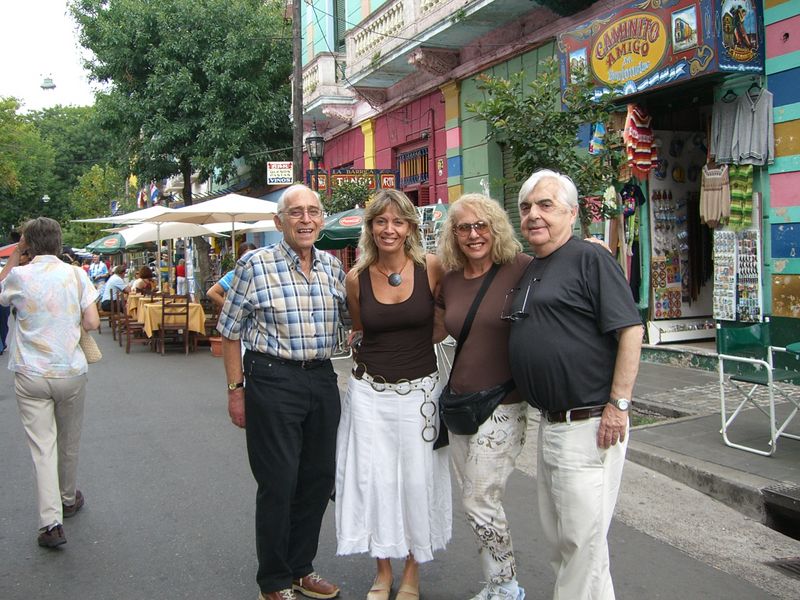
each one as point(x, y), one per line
point(39, 40)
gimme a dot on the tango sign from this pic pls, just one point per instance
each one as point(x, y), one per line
point(629, 48)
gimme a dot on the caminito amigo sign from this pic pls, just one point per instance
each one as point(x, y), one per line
point(653, 43)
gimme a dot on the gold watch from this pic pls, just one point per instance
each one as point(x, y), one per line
point(235, 386)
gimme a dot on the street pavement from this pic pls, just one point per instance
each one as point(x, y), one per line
point(169, 509)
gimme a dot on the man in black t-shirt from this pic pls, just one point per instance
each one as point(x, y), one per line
point(574, 351)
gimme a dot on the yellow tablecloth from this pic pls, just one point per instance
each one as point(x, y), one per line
point(134, 301)
point(149, 315)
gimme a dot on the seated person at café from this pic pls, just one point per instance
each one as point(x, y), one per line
point(145, 281)
point(116, 284)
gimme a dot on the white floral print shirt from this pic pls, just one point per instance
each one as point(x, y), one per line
point(49, 300)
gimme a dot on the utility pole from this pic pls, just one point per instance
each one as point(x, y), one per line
point(297, 93)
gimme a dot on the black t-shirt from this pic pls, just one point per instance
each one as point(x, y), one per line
point(563, 354)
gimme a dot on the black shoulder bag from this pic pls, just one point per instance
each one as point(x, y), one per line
point(464, 413)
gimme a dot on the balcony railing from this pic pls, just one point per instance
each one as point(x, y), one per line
point(323, 77)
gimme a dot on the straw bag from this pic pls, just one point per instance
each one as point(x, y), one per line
point(90, 348)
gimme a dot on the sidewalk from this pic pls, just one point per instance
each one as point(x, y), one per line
point(690, 448)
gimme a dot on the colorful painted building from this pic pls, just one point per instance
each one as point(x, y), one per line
point(388, 83)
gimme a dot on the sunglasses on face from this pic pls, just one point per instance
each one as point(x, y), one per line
point(464, 229)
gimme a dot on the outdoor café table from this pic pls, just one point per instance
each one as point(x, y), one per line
point(149, 315)
point(135, 300)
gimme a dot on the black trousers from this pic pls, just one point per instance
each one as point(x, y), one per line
point(291, 416)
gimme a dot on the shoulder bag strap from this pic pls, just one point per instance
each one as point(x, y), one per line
point(465, 328)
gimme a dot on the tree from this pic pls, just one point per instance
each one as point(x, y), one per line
point(345, 196)
point(541, 124)
point(91, 197)
point(26, 167)
point(194, 84)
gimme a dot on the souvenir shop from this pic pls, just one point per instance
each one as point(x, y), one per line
point(695, 132)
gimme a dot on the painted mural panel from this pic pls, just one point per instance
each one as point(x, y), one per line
point(653, 43)
point(786, 296)
point(786, 240)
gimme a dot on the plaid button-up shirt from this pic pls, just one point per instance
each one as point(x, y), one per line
point(274, 308)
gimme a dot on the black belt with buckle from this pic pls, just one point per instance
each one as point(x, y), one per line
point(303, 364)
point(574, 414)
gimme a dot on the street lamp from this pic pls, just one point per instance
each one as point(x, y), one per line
point(45, 199)
point(315, 146)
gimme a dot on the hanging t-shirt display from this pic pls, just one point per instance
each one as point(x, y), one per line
point(715, 196)
point(741, 182)
point(742, 129)
point(638, 138)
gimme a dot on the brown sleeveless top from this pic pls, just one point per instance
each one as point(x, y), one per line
point(398, 338)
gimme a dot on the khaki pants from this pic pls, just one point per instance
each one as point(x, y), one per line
point(52, 414)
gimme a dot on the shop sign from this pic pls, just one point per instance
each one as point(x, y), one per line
point(366, 178)
point(653, 43)
point(280, 172)
point(320, 177)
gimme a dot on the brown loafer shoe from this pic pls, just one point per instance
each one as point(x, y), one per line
point(287, 594)
point(314, 586)
point(69, 511)
point(53, 537)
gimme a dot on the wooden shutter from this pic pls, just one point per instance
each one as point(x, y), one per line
point(511, 186)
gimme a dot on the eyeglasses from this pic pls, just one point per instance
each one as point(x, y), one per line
point(464, 229)
point(297, 213)
point(506, 314)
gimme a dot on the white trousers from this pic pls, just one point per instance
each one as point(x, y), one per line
point(52, 416)
point(578, 483)
point(483, 463)
point(180, 286)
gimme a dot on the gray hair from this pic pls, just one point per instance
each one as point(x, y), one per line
point(567, 192)
point(42, 236)
point(293, 189)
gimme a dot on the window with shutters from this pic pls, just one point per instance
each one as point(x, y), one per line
point(511, 185)
point(413, 167)
point(339, 24)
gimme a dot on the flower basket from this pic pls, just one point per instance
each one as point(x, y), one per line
point(216, 346)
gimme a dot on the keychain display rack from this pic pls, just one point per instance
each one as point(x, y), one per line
point(737, 276)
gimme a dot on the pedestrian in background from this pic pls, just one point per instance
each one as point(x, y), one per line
point(180, 278)
point(98, 272)
point(574, 348)
point(51, 301)
point(393, 496)
point(285, 305)
point(476, 236)
point(217, 291)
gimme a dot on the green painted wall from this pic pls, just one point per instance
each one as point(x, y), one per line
point(481, 157)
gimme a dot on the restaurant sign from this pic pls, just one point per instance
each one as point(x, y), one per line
point(373, 179)
point(653, 43)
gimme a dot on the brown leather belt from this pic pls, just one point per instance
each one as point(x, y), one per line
point(574, 414)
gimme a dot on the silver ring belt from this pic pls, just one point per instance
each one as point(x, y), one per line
point(401, 387)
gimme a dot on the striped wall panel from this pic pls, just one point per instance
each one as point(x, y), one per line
point(783, 37)
point(784, 189)
point(787, 138)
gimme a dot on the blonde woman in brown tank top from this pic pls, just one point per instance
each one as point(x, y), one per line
point(393, 496)
point(476, 236)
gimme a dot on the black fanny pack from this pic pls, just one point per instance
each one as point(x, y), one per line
point(465, 413)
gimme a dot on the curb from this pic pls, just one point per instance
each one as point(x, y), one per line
point(738, 490)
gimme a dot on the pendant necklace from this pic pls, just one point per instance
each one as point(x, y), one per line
point(394, 279)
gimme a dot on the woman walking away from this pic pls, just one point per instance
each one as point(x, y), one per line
point(51, 300)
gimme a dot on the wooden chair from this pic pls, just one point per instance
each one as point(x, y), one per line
point(115, 314)
point(174, 322)
point(211, 310)
point(132, 330)
point(104, 314)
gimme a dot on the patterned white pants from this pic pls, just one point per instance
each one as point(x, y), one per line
point(483, 463)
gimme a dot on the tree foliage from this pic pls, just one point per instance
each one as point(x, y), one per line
point(345, 196)
point(195, 83)
point(541, 124)
point(26, 169)
point(92, 196)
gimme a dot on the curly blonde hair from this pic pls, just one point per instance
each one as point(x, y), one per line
point(380, 203)
point(505, 245)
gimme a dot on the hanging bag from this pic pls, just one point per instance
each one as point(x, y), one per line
point(463, 414)
point(90, 348)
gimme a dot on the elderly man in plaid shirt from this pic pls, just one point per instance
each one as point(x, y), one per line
point(284, 306)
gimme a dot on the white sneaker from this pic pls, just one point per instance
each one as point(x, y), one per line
point(495, 592)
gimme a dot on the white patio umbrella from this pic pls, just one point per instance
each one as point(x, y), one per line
point(137, 216)
point(151, 232)
point(240, 227)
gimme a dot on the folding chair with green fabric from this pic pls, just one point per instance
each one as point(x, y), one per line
point(747, 367)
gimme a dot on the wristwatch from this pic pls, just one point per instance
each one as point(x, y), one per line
point(235, 386)
point(621, 403)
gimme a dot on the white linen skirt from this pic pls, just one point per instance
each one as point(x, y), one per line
point(392, 488)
